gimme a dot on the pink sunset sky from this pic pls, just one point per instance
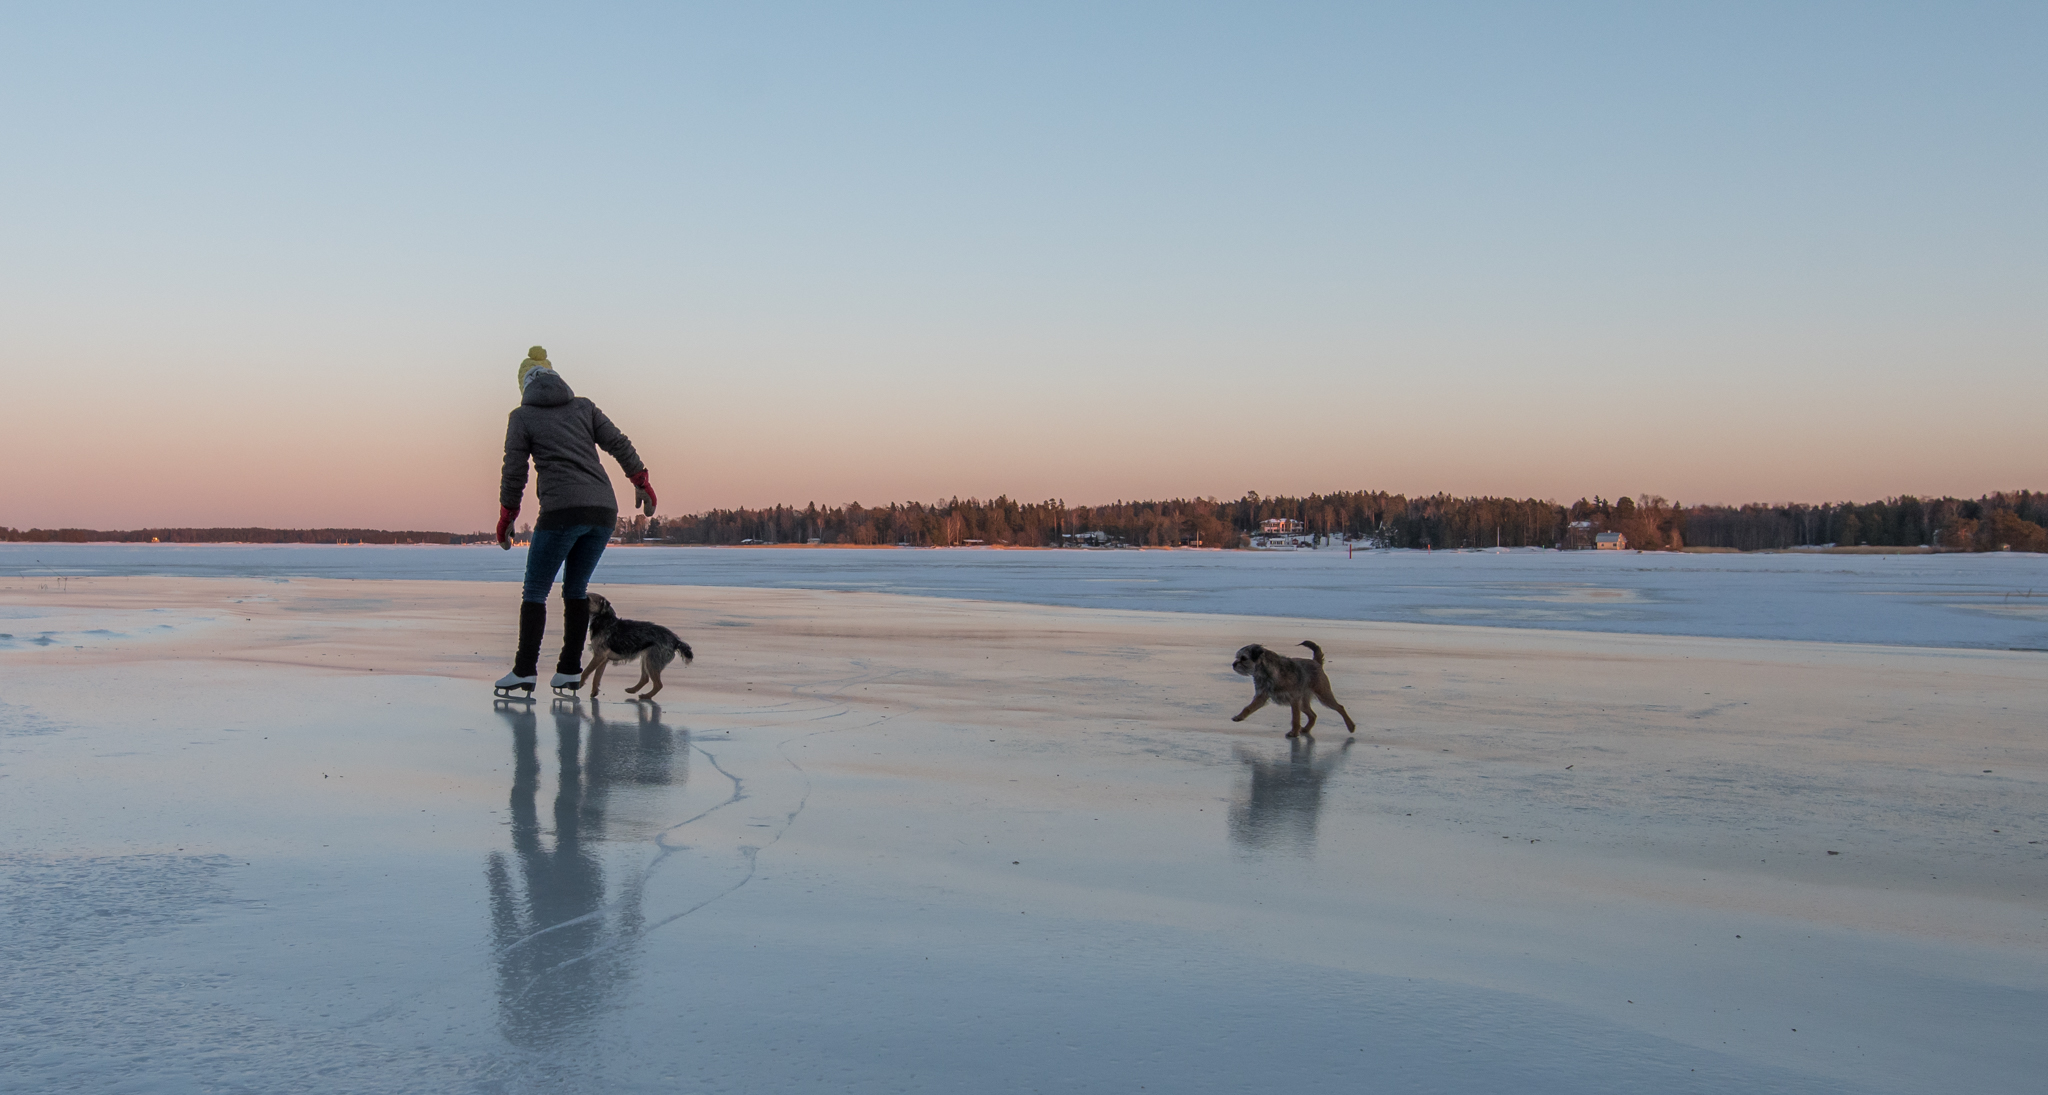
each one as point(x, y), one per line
point(278, 267)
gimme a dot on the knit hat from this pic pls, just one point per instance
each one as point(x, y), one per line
point(536, 358)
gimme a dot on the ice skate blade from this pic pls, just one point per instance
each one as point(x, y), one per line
point(518, 692)
point(567, 692)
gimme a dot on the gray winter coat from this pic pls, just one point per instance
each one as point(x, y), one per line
point(561, 432)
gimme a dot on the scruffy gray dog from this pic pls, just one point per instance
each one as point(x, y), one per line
point(615, 640)
point(1293, 681)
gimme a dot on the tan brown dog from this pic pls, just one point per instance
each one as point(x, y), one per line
point(1294, 681)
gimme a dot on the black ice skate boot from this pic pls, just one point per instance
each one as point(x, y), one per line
point(575, 626)
point(533, 619)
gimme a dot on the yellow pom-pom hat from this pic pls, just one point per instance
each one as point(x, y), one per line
point(536, 358)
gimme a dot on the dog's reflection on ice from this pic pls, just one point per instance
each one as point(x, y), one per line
point(1280, 807)
point(561, 945)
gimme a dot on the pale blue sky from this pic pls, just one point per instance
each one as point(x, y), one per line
point(276, 264)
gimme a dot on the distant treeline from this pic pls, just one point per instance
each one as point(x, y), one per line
point(238, 536)
point(1208, 522)
point(2015, 520)
point(2007, 520)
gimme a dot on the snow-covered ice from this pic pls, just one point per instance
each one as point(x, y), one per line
point(1997, 601)
point(271, 833)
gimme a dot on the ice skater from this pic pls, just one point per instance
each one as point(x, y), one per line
point(560, 433)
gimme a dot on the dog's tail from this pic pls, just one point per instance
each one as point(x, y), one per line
point(682, 647)
point(1317, 649)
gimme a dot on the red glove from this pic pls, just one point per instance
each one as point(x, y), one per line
point(505, 516)
point(643, 492)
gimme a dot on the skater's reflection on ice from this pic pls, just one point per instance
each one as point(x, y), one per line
point(562, 943)
point(1279, 809)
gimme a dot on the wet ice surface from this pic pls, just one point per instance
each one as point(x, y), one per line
point(1996, 601)
point(882, 844)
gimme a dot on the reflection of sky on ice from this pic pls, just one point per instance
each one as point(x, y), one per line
point(1996, 600)
point(291, 880)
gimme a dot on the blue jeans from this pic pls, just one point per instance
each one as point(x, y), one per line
point(580, 546)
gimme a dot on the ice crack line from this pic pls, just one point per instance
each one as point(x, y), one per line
point(647, 871)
